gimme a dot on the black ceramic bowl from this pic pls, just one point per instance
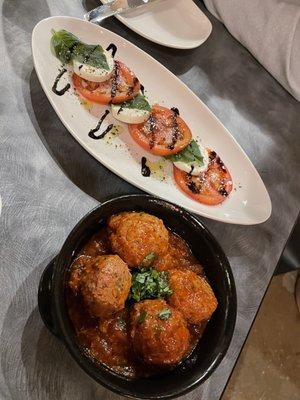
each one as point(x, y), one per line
point(214, 343)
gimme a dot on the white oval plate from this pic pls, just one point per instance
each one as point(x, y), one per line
point(248, 203)
point(173, 23)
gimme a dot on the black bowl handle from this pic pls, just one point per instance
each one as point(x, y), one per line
point(45, 298)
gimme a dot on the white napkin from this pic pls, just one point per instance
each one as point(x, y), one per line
point(270, 30)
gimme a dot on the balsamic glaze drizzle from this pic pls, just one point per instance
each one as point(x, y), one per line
point(113, 49)
point(145, 169)
point(106, 131)
point(94, 130)
point(131, 88)
point(142, 89)
point(175, 128)
point(223, 191)
point(152, 125)
point(193, 187)
point(121, 108)
point(175, 110)
point(57, 79)
point(212, 155)
point(114, 82)
point(214, 158)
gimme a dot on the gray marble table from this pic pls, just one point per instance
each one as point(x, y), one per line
point(48, 182)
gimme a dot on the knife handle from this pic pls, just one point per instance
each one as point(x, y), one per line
point(113, 7)
point(106, 10)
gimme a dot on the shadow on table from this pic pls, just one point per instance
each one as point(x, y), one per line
point(34, 363)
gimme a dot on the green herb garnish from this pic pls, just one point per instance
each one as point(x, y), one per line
point(67, 47)
point(90, 54)
point(149, 259)
point(142, 317)
point(164, 314)
point(147, 283)
point(190, 155)
point(62, 44)
point(138, 103)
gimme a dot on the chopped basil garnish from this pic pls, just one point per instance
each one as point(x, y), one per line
point(138, 103)
point(147, 283)
point(68, 47)
point(142, 317)
point(190, 155)
point(149, 259)
point(165, 314)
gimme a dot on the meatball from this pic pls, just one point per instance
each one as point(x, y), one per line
point(159, 333)
point(105, 284)
point(134, 235)
point(192, 295)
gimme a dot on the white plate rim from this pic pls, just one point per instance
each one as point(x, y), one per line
point(170, 45)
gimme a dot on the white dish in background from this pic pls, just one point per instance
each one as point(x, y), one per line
point(173, 23)
point(248, 204)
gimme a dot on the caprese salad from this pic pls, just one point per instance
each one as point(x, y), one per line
point(100, 78)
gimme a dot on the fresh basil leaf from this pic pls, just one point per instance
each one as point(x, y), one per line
point(98, 59)
point(92, 55)
point(68, 47)
point(142, 317)
point(138, 103)
point(164, 314)
point(62, 44)
point(190, 155)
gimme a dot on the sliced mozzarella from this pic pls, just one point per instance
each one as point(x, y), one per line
point(193, 168)
point(129, 115)
point(94, 74)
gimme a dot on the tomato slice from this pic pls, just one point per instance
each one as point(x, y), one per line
point(122, 86)
point(211, 187)
point(164, 133)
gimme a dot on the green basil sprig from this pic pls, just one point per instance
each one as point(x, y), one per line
point(190, 155)
point(67, 47)
point(138, 103)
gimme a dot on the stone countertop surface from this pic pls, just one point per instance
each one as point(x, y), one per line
point(48, 182)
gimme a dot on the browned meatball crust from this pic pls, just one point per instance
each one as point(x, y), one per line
point(192, 295)
point(104, 285)
point(158, 332)
point(134, 235)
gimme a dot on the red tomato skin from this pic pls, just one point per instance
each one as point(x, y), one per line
point(96, 96)
point(210, 195)
point(159, 150)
